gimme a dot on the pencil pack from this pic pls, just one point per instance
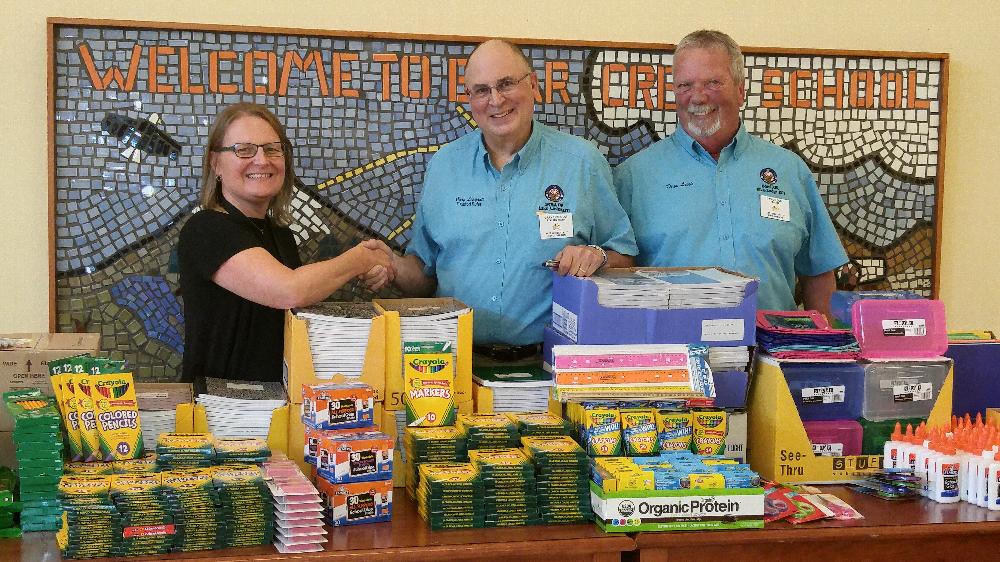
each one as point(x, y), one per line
point(117, 416)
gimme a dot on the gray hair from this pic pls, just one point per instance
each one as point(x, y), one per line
point(711, 39)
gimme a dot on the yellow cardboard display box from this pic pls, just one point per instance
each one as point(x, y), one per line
point(299, 364)
point(394, 349)
point(779, 448)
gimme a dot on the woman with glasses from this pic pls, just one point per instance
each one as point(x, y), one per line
point(239, 267)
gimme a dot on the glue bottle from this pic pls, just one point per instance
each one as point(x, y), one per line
point(993, 486)
point(981, 494)
point(945, 469)
point(892, 452)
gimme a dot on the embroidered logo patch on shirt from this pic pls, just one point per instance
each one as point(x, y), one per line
point(554, 193)
point(769, 176)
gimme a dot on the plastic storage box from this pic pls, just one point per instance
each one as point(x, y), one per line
point(842, 301)
point(826, 391)
point(874, 434)
point(834, 438)
point(902, 389)
point(899, 329)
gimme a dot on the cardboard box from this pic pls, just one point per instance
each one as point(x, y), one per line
point(677, 510)
point(299, 368)
point(779, 448)
point(394, 351)
point(28, 367)
point(162, 395)
point(577, 315)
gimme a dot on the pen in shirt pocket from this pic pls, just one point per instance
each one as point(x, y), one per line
point(551, 264)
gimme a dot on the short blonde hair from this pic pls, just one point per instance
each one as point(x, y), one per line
point(211, 186)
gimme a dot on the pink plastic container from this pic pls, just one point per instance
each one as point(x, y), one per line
point(899, 329)
point(834, 438)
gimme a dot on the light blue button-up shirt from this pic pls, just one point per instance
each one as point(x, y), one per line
point(477, 229)
point(689, 210)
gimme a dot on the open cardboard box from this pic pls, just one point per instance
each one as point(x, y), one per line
point(299, 369)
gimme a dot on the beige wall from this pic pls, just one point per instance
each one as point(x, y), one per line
point(967, 30)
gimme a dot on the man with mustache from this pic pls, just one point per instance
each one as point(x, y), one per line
point(504, 199)
point(711, 194)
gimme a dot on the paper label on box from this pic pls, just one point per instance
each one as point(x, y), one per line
point(564, 321)
point(823, 394)
point(722, 329)
point(828, 449)
point(912, 392)
point(244, 386)
point(151, 395)
point(904, 327)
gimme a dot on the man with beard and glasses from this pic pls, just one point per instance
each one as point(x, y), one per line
point(711, 194)
point(500, 202)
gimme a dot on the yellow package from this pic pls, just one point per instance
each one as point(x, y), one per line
point(117, 414)
point(709, 429)
point(674, 430)
point(61, 373)
point(602, 430)
point(90, 442)
point(639, 431)
point(428, 383)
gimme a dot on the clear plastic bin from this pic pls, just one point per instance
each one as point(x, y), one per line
point(826, 391)
point(899, 329)
point(842, 301)
point(834, 438)
point(902, 389)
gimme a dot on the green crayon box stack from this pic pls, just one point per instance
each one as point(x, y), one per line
point(38, 444)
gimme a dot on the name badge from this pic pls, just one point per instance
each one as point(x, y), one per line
point(775, 208)
point(555, 225)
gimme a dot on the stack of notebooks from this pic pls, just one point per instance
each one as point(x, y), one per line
point(804, 335)
point(631, 371)
point(338, 336)
point(240, 408)
point(298, 509)
point(515, 389)
point(158, 409)
point(428, 322)
point(674, 289)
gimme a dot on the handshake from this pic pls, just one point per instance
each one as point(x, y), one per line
point(378, 263)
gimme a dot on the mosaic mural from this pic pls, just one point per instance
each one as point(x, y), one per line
point(132, 107)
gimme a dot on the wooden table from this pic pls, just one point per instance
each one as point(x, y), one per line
point(405, 538)
point(912, 530)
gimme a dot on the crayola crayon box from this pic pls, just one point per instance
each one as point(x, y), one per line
point(428, 384)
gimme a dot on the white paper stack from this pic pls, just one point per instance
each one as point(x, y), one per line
point(338, 336)
point(517, 391)
point(155, 422)
point(427, 323)
point(298, 509)
point(240, 408)
point(729, 358)
point(675, 289)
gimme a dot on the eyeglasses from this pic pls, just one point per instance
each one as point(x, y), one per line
point(249, 149)
point(503, 87)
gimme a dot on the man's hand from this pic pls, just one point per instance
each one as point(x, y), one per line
point(379, 275)
point(581, 261)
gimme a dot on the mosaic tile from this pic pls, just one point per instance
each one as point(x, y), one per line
point(361, 159)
